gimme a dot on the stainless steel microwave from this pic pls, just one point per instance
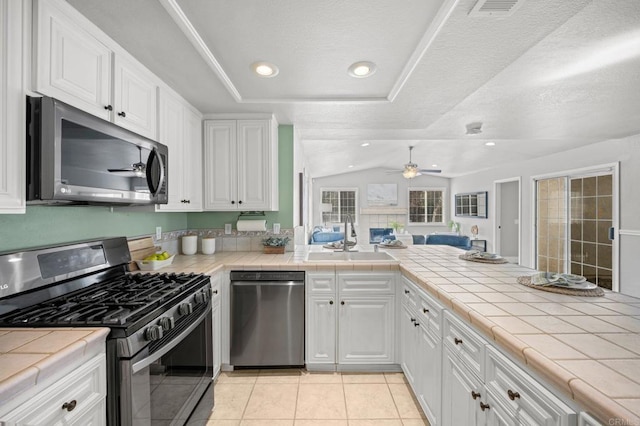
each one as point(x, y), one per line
point(75, 157)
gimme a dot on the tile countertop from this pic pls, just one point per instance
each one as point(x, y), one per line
point(588, 347)
point(29, 356)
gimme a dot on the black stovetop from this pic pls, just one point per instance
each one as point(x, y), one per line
point(123, 302)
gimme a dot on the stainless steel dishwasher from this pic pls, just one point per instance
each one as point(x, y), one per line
point(267, 318)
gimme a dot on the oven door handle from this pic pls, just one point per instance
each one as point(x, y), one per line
point(172, 344)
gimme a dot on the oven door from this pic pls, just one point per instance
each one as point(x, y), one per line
point(163, 385)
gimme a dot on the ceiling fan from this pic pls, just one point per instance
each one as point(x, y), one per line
point(411, 169)
point(136, 170)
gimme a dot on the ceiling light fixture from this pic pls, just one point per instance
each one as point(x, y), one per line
point(490, 144)
point(362, 69)
point(365, 144)
point(350, 166)
point(265, 69)
point(410, 171)
point(434, 165)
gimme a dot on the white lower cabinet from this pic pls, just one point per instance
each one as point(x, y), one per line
point(365, 329)
point(76, 399)
point(476, 384)
point(321, 330)
point(461, 393)
point(421, 348)
point(350, 319)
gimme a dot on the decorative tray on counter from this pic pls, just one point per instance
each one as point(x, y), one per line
point(569, 284)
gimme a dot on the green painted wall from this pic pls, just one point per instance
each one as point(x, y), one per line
point(45, 225)
point(285, 180)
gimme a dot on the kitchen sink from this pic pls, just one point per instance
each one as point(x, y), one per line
point(353, 256)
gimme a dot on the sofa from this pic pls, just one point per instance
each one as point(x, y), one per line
point(459, 241)
point(324, 235)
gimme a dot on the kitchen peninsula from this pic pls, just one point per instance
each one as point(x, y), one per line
point(587, 348)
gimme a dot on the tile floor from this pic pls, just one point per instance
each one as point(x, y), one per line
point(300, 398)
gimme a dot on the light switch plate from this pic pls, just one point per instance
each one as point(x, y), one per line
point(158, 232)
point(227, 228)
point(276, 228)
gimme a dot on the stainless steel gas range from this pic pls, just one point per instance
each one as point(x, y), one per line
point(159, 349)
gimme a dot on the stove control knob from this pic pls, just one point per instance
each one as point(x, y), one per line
point(185, 309)
point(166, 323)
point(153, 332)
point(201, 297)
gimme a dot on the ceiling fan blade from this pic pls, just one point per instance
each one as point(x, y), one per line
point(394, 171)
point(121, 170)
point(430, 171)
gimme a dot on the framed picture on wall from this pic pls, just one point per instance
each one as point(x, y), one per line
point(382, 194)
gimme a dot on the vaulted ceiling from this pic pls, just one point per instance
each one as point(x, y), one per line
point(552, 75)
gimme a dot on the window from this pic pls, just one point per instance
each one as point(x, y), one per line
point(426, 205)
point(343, 202)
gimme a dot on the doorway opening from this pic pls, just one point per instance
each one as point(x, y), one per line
point(508, 210)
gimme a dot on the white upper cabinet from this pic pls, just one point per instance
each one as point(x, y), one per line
point(240, 164)
point(180, 129)
point(76, 64)
point(71, 65)
point(12, 109)
point(134, 102)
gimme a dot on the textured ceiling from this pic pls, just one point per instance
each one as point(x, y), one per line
point(553, 76)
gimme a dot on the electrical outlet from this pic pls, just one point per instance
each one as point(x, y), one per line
point(227, 228)
point(276, 228)
point(158, 232)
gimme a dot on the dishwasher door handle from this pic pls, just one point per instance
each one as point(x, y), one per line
point(264, 283)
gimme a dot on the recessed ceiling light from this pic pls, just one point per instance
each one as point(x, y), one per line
point(265, 69)
point(490, 144)
point(365, 144)
point(350, 166)
point(362, 69)
point(434, 165)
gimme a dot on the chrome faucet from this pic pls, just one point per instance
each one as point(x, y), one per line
point(348, 219)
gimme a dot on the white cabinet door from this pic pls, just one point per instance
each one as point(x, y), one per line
point(71, 64)
point(180, 129)
point(171, 134)
point(135, 98)
point(192, 161)
point(366, 327)
point(12, 110)
point(321, 329)
point(458, 404)
point(86, 385)
point(254, 175)
point(240, 164)
point(409, 346)
point(429, 364)
point(220, 170)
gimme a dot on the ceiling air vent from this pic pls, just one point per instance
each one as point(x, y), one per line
point(495, 8)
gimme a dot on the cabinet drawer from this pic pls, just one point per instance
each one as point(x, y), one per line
point(357, 283)
point(531, 403)
point(464, 342)
point(409, 294)
point(321, 283)
point(429, 309)
point(86, 386)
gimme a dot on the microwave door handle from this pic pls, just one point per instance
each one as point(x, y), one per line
point(154, 156)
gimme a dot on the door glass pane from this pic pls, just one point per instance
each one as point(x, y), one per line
point(591, 218)
point(551, 224)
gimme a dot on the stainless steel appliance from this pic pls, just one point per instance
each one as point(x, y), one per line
point(267, 318)
point(75, 157)
point(159, 349)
